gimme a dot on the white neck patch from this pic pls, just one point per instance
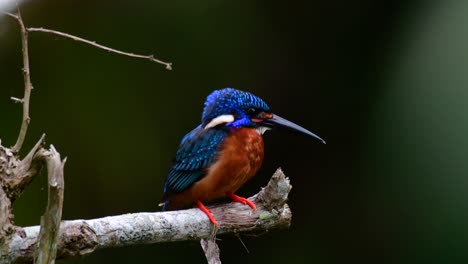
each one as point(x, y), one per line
point(220, 120)
point(262, 129)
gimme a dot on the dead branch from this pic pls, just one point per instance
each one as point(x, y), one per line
point(50, 221)
point(16, 174)
point(27, 83)
point(150, 57)
point(211, 250)
point(82, 237)
point(99, 46)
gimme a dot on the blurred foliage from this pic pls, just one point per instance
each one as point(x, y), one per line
point(384, 83)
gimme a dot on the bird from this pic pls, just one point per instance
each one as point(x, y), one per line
point(222, 153)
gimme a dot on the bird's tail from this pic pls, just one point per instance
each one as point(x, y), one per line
point(164, 205)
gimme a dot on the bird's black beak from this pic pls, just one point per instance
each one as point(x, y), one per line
point(276, 121)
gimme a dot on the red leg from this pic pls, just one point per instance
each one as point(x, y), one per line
point(207, 212)
point(241, 200)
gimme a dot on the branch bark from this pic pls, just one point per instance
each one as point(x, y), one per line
point(50, 221)
point(82, 237)
point(15, 175)
point(23, 172)
point(6, 227)
point(6, 217)
point(211, 250)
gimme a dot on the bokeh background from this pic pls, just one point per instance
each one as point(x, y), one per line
point(384, 82)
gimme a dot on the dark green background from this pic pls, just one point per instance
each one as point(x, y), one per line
point(385, 84)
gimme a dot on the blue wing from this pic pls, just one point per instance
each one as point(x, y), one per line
point(196, 152)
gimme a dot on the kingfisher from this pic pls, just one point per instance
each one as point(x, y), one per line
point(222, 153)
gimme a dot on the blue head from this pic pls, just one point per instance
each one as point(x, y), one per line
point(234, 108)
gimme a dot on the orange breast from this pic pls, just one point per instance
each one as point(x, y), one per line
point(239, 159)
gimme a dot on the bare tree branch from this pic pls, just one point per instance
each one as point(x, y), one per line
point(17, 100)
point(50, 221)
point(27, 83)
point(92, 43)
point(27, 72)
point(211, 250)
point(82, 237)
point(151, 57)
point(11, 15)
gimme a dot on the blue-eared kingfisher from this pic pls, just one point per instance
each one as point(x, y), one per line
point(221, 154)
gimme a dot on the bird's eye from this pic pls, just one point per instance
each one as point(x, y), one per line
point(251, 111)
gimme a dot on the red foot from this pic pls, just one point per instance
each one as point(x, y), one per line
point(241, 200)
point(207, 212)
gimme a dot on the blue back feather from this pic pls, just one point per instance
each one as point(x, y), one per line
point(196, 152)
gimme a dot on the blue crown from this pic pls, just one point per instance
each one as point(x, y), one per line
point(229, 101)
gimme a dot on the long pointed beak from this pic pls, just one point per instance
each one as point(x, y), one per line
point(278, 121)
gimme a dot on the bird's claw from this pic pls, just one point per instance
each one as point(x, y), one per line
point(207, 212)
point(242, 200)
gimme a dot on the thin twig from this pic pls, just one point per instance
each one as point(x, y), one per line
point(10, 15)
point(17, 100)
point(27, 83)
point(93, 43)
point(242, 242)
